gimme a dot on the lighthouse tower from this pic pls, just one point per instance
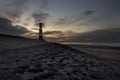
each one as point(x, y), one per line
point(40, 31)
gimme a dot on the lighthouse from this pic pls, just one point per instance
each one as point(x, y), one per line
point(40, 31)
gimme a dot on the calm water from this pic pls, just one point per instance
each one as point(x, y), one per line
point(104, 44)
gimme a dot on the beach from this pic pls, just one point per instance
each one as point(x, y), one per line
point(53, 61)
point(106, 52)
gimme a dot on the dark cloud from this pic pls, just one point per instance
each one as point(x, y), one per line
point(51, 35)
point(58, 35)
point(15, 9)
point(53, 32)
point(106, 35)
point(40, 17)
point(59, 39)
point(62, 21)
point(72, 20)
point(35, 28)
point(65, 21)
point(6, 27)
point(98, 36)
point(12, 9)
point(88, 13)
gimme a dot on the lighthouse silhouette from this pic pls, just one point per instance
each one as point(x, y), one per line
point(40, 31)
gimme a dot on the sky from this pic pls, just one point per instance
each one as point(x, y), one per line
point(64, 20)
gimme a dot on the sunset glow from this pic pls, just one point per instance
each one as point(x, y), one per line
point(85, 17)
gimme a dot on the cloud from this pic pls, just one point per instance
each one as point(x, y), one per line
point(44, 4)
point(12, 9)
point(54, 35)
point(53, 32)
point(65, 21)
point(58, 35)
point(105, 35)
point(99, 36)
point(93, 19)
point(40, 17)
point(62, 21)
point(6, 27)
point(35, 29)
point(17, 9)
point(88, 13)
point(73, 20)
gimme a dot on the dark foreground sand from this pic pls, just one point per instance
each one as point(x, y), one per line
point(52, 61)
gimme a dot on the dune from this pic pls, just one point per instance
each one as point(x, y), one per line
point(52, 61)
point(11, 42)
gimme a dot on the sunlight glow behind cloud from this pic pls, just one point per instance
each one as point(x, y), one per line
point(77, 16)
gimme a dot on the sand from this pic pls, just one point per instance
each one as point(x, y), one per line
point(13, 42)
point(52, 61)
point(106, 52)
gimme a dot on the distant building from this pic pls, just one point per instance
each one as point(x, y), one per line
point(40, 31)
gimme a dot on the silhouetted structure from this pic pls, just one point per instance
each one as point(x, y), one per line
point(40, 31)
